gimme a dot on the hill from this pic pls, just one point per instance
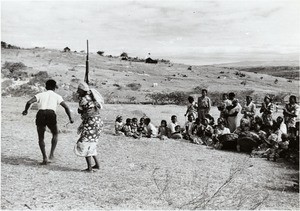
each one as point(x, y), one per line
point(134, 82)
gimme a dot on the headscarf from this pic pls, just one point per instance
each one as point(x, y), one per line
point(84, 86)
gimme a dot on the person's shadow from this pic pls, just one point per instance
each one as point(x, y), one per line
point(25, 161)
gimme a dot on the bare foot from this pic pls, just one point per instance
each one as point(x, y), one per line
point(95, 167)
point(88, 170)
point(45, 162)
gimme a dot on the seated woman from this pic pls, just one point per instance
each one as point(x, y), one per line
point(119, 126)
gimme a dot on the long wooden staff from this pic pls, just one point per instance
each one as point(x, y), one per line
point(86, 77)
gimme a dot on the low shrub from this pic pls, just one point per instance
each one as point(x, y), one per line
point(40, 78)
point(14, 66)
point(134, 86)
point(178, 98)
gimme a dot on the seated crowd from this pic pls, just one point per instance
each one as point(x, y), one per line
point(262, 135)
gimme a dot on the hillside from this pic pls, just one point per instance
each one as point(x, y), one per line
point(287, 69)
point(132, 82)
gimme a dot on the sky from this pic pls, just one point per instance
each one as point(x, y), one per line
point(190, 31)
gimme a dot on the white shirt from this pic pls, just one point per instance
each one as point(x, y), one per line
point(172, 127)
point(151, 130)
point(48, 100)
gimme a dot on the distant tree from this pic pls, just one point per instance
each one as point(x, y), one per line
point(124, 54)
point(100, 53)
point(3, 44)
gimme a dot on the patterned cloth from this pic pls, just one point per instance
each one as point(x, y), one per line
point(267, 113)
point(233, 120)
point(192, 109)
point(290, 120)
point(204, 104)
point(90, 128)
point(249, 110)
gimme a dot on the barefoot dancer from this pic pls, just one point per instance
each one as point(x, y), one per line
point(47, 103)
point(90, 127)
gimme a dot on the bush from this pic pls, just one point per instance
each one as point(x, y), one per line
point(124, 54)
point(22, 90)
point(134, 86)
point(100, 53)
point(12, 67)
point(178, 98)
point(41, 78)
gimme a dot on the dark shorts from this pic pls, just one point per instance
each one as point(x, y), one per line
point(46, 118)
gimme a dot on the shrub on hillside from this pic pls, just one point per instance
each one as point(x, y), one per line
point(134, 86)
point(14, 70)
point(23, 90)
point(124, 54)
point(100, 53)
point(178, 98)
point(40, 78)
point(14, 66)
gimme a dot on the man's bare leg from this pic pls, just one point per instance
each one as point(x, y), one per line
point(41, 133)
point(54, 132)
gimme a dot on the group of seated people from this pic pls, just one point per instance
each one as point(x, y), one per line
point(263, 135)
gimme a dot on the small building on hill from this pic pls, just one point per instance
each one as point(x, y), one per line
point(67, 49)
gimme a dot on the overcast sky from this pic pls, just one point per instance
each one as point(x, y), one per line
point(168, 29)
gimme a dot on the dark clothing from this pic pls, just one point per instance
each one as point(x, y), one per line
point(46, 118)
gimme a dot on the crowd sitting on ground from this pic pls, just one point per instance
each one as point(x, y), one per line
point(262, 135)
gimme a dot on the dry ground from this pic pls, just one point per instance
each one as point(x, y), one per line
point(134, 174)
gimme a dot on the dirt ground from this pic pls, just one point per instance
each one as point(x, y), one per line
point(134, 174)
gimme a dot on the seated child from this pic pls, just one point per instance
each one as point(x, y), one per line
point(256, 120)
point(196, 132)
point(141, 127)
point(189, 127)
point(134, 128)
point(177, 134)
point(272, 152)
point(127, 127)
point(223, 112)
point(211, 119)
point(207, 131)
point(244, 128)
point(283, 145)
point(220, 129)
point(191, 108)
point(163, 130)
point(173, 124)
point(151, 130)
point(280, 127)
point(119, 125)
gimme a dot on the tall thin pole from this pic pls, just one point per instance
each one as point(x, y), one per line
point(86, 77)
